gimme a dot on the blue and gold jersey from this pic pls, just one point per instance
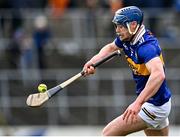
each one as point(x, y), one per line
point(137, 54)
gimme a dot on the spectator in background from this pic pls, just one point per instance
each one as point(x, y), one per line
point(10, 18)
point(11, 26)
point(115, 5)
point(26, 57)
point(58, 7)
point(26, 51)
point(14, 51)
point(41, 36)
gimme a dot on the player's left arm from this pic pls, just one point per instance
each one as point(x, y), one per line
point(156, 78)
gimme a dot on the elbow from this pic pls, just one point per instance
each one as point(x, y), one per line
point(161, 76)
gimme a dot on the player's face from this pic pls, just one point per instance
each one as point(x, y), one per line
point(123, 33)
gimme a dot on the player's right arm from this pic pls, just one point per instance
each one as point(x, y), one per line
point(106, 50)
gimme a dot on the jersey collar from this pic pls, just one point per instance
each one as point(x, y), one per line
point(139, 35)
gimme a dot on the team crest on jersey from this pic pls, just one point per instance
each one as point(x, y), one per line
point(137, 68)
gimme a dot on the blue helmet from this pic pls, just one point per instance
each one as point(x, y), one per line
point(127, 15)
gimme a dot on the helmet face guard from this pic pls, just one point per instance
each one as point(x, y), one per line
point(120, 20)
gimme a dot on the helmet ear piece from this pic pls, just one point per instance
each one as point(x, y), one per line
point(120, 19)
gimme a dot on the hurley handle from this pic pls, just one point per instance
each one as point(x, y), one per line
point(118, 52)
point(108, 57)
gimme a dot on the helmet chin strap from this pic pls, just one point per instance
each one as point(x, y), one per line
point(132, 33)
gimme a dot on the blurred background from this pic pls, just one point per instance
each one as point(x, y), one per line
point(48, 41)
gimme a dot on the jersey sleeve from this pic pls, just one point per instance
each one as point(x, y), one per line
point(148, 52)
point(118, 42)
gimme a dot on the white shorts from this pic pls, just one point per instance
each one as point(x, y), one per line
point(156, 117)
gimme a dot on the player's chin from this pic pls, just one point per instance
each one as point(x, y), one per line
point(122, 38)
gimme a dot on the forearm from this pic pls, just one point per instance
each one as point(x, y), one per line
point(152, 86)
point(103, 52)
